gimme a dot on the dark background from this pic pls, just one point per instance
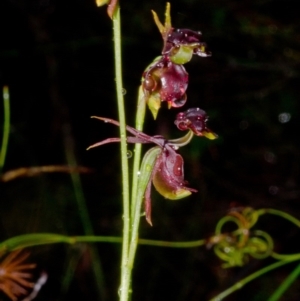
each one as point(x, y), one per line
point(57, 59)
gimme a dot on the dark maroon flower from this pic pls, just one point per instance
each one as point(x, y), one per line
point(194, 119)
point(167, 178)
point(179, 44)
point(187, 38)
point(165, 81)
point(167, 173)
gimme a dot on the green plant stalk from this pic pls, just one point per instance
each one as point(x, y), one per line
point(73, 259)
point(285, 256)
point(146, 171)
point(224, 220)
point(285, 284)
point(172, 244)
point(238, 285)
point(83, 212)
point(32, 240)
point(6, 126)
point(285, 215)
point(125, 274)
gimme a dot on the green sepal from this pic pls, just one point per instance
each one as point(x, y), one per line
point(154, 104)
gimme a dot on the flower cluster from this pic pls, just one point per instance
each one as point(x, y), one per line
point(165, 79)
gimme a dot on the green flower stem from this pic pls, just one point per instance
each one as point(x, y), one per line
point(125, 274)
point(238, 285)
point(139, 123)
point(182, 141)
point(6, 126)
point(285, 284)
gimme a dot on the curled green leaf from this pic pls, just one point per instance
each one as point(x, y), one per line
point(236, 247)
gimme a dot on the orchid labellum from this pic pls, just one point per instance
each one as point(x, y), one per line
point(194, 119)
point(165, 81)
